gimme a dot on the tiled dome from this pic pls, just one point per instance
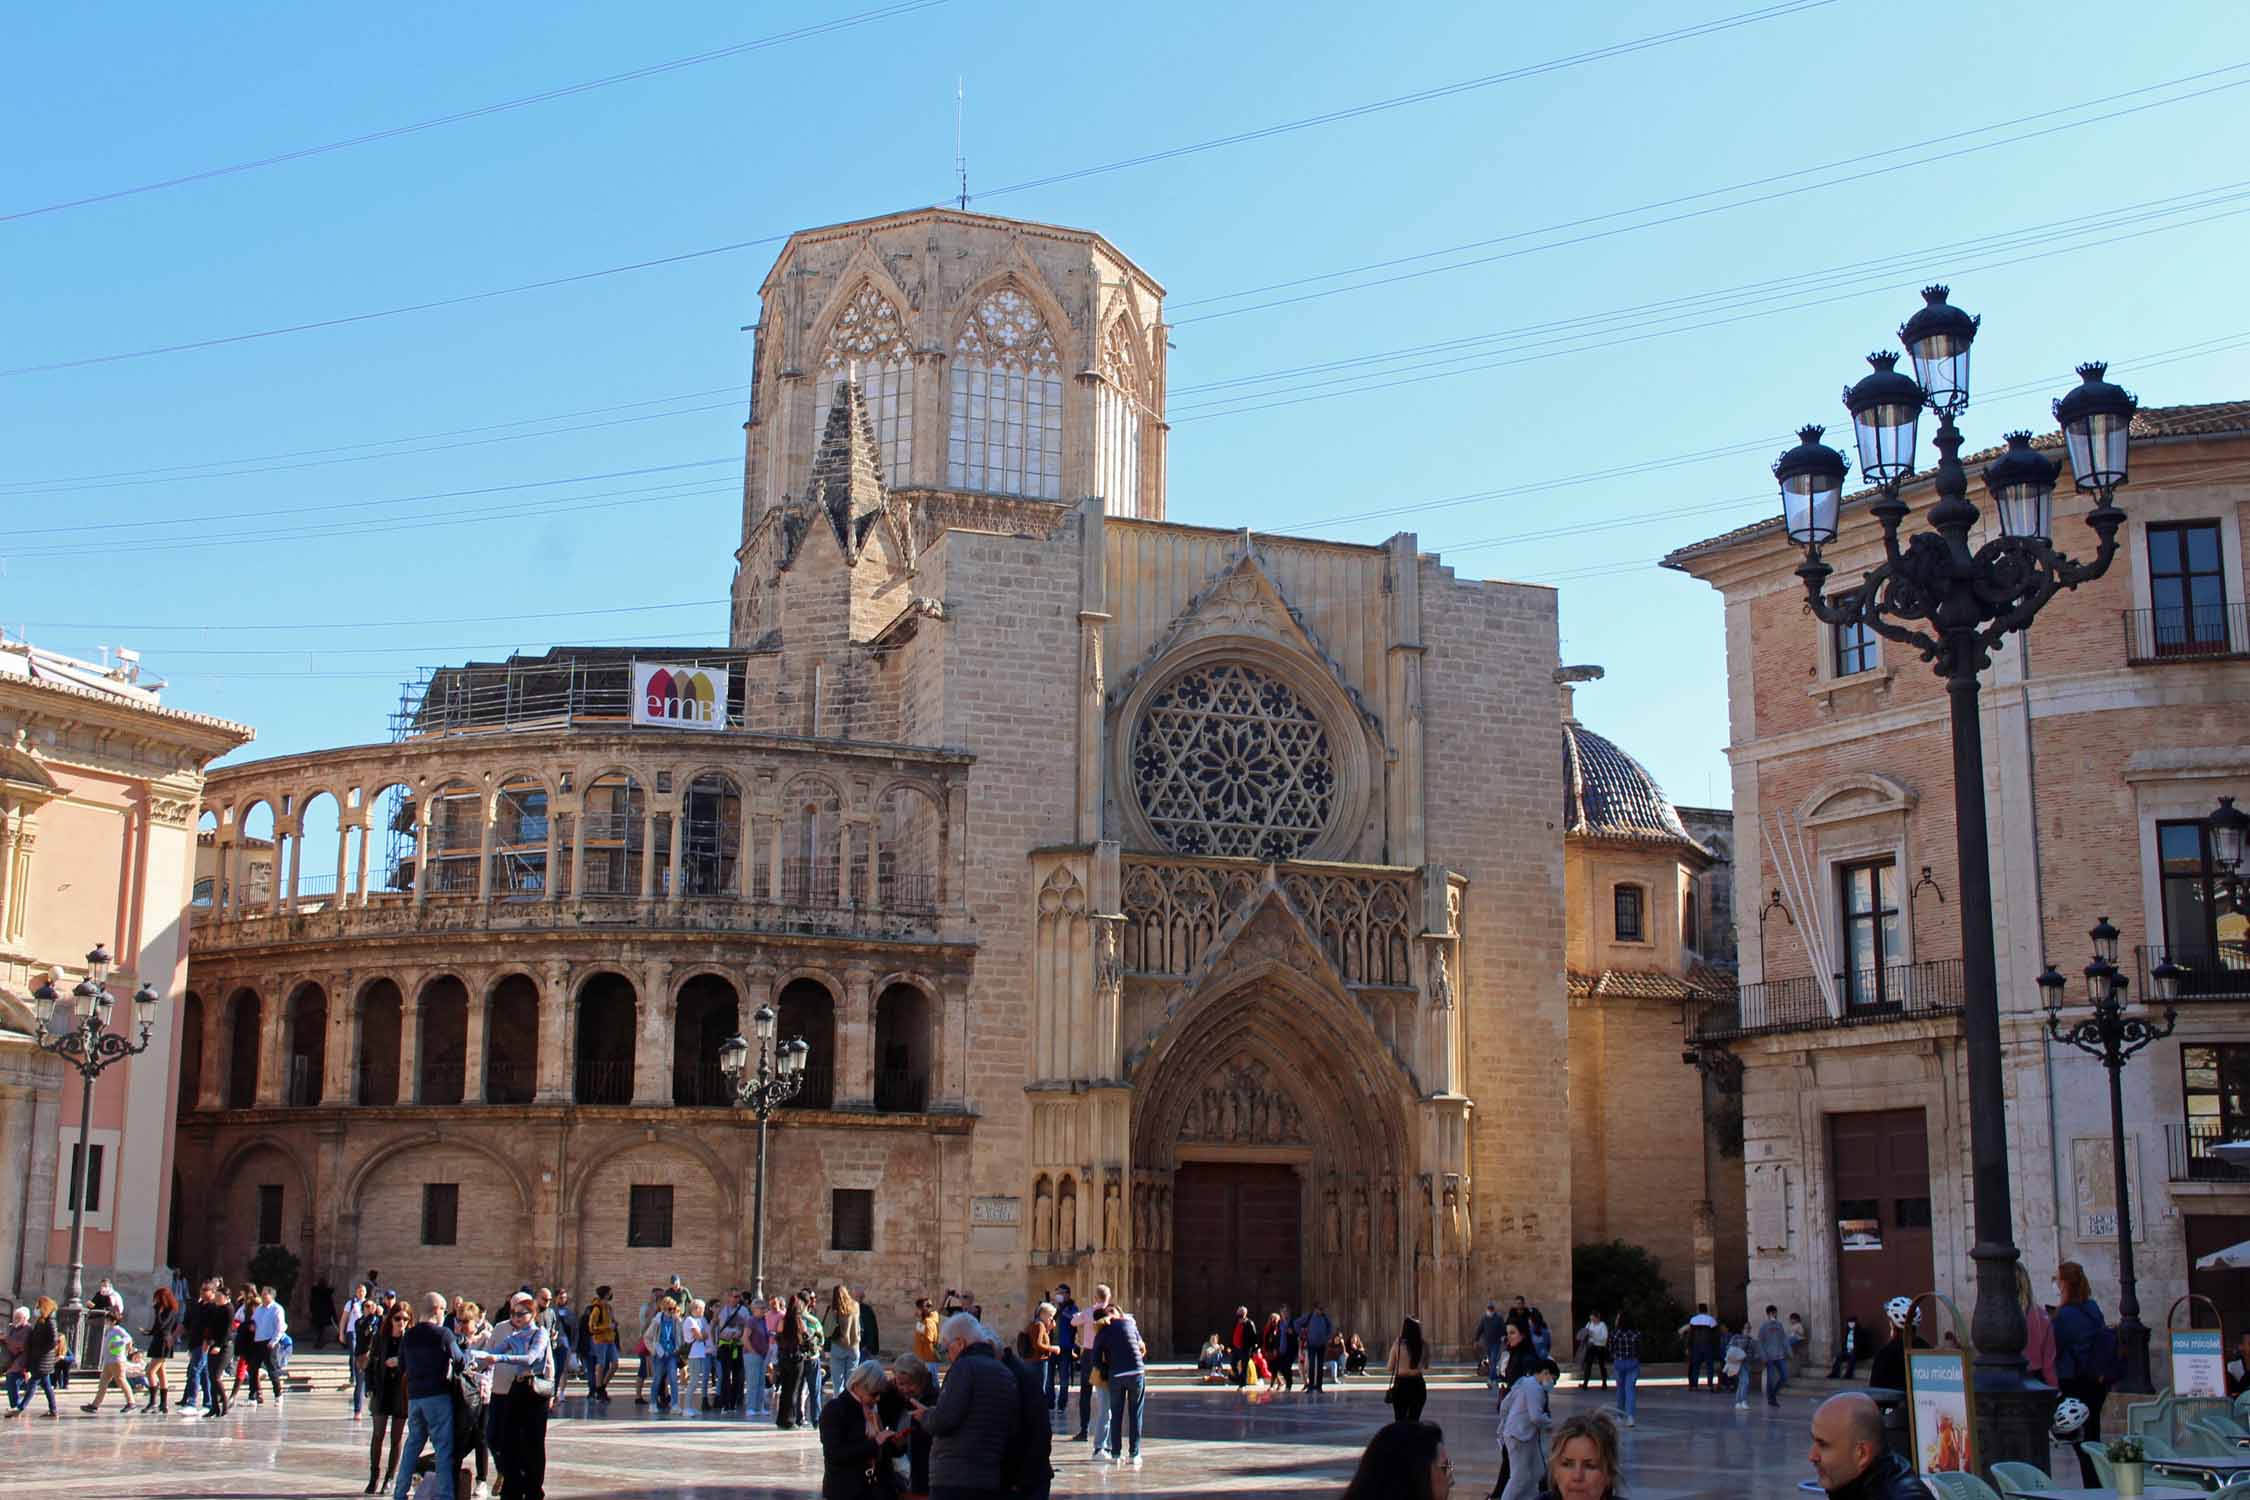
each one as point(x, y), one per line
point(1609, 795)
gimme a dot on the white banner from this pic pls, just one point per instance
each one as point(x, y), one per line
point(679, 697)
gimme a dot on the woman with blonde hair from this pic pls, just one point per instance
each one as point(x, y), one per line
point(663, 1338)
point(843, 1336)
point(1582, 1462)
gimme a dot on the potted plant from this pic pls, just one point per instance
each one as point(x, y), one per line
point(2125, 1460)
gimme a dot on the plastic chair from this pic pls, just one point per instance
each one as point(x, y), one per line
point(2097, 1454)
point(2212, 1437)
point(2021, 1479)
point(1962, 1486)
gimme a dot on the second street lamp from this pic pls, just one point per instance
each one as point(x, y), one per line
point(1954, 601)
point(2111, 1035)
point(762, 1084)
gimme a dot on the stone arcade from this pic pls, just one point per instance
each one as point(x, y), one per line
point(1169, 906)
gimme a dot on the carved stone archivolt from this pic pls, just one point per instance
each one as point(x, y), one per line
point(1242, 1105)
point(1175, 912)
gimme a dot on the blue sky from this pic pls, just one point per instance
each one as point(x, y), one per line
point(2115, 237)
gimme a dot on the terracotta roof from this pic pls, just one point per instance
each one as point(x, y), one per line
point(1702, 983)
point(1609, 795)
point(2198, 420)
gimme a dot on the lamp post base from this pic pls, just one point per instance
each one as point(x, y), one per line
point(2015, 1426)
point(2132, 1346)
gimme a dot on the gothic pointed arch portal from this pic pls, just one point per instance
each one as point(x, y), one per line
point(1274, 1160)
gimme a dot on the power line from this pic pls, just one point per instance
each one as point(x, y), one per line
point(175, 474)
point(1706, 212)
point(1769, 12)
point(1755, 182)
point(564, 91)
point(302, 625)
point(1422, 96)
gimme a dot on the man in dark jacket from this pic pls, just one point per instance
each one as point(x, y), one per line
point(1028, 1471)
point(975, 1418)
point(1492, 1330)
point(1850, 1458)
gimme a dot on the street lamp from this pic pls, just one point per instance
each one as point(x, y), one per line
point(82, 1038)
point(2110, 1036)
point(762, 1088)
point(2227, 825)
point(1954, 602)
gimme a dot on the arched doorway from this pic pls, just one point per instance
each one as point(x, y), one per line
point(245, 1018)
point(1273, 1163)
point(710, 1011)
point(380, 1011)
point(605, 1040)
point(305, 1044)
point(902, 1049)
point(805, 1009)
point(442, 1054)
point(511, 1041)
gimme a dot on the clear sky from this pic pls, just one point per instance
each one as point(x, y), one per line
point(1674, 316)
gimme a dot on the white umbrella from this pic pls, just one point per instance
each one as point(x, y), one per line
point(2237, 1152)
point(2234, 1257)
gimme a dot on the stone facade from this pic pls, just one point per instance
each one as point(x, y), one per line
point(99, 784)
point(2115, 724)
point(1168, 906)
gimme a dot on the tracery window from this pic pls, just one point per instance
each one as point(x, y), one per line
point(1005, 433)
point(869, 335)
point(1118, 409)
point(1229, 761)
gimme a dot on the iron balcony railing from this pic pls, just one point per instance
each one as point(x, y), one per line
point(509, 1083)
point(701, 1085)
point(2187, 1149)
point(378, 1085)
point(604, 1081)
point(902, 1090)
point(2202, 632)
point(818, 1091)
point(2219, 971)
point(1895, 992)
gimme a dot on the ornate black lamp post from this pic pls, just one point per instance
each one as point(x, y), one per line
point(779, 1074)
point(85, 1041)
point(2228, 825)
point(2111, 1036)
point(1953, 602)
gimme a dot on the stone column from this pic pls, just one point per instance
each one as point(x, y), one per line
point(746, 851)
point(679, 850)
point(422, 842)
point(366, 837)
point(410, 1034)
point(549, 889)
point(578, 850)
point(843, 859)
point(280, 870)
point(273, 1006)
point(296, 863)
point(343, 848)
point(949, 1075)
point(1093, 614)
point(338, 1065)
point(210, 1089)
point(488, 821)
point(648, 854)
point(652, 1046)
point(855, 1042)
point(472, 1068)
point(555, 1035)
point(773, 862)
point(222, 893)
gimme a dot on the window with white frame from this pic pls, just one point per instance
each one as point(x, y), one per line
point(1004, 431)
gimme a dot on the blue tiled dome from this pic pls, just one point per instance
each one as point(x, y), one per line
point(1609, 795)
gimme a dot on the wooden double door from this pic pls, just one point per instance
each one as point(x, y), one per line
point(1880, 1163)
point(1237, 1241)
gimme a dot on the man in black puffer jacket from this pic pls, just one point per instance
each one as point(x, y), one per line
point(1028, 1470)
point(1849, 1455)
point(975, 1418)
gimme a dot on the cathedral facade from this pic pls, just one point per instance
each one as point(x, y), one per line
point(1164, 905)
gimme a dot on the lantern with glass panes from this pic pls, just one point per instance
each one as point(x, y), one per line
point(762, 1085)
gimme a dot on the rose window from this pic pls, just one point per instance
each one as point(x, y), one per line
point(1229, 761)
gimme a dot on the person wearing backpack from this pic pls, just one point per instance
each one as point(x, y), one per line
point(2085, 1356)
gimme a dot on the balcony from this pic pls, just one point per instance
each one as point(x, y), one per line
point(604, 1080)
point(2205, 632)
point(902, 1090)
point(2187, 1149)
point(2219, 972)
point(1897, 992)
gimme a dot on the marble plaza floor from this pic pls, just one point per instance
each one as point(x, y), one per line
point(1200, 1441)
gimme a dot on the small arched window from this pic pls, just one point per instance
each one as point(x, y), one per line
point(1632, 922)
point(1005, 424)
point(869, 337)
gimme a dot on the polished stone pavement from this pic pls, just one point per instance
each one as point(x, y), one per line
point(1200, 1441)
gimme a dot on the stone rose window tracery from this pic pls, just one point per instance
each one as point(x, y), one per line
point(1005, 431)
point(870, 335)
point(1229, 761)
